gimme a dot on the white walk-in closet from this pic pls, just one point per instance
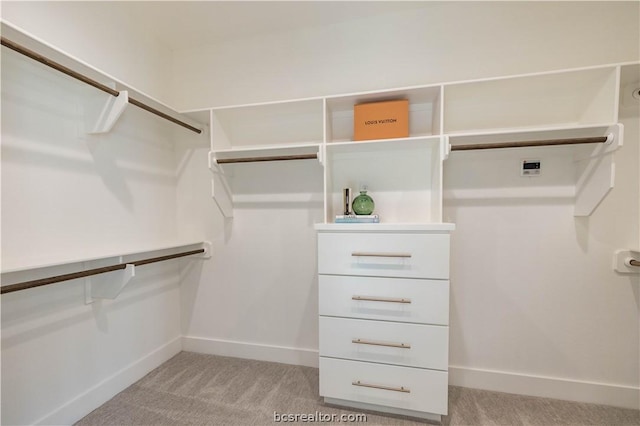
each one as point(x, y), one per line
point(171, 173)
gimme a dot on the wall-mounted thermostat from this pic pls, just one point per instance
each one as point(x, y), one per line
point(530, 168)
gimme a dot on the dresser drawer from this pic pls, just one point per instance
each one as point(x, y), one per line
point(411, 345)
point(390, 299)
point(384, 254)
point(386, 385)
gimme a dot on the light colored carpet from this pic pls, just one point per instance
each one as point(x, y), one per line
point(197, 389)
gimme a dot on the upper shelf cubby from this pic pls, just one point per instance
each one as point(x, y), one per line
point(424, 111)
point(581, 97)
point(278, 123)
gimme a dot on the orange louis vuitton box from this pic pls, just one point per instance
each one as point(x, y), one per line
point(381, 120)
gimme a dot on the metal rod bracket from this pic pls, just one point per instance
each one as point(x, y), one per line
point(208, 249)
point(610, 138)
point(623, 261)
point(220, 188)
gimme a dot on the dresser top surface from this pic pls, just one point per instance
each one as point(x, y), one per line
point(385, 227)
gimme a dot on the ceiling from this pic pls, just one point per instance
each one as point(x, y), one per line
point(183, 24)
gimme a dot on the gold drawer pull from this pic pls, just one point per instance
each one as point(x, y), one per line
point(381, 299)
point(391, 345)
point(365, 254)
point(366, 385)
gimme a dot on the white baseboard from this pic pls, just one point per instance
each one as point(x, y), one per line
point(94, 397)
point(546, 387)
point(282, 354)
point(499, 381)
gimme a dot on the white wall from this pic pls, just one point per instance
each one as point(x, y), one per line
point(442, 41)
point(67, 194)
point(257, 298)
point(99, 34)
point(533, 289)
point(536, 306)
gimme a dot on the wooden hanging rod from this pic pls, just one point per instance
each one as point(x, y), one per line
point(548, 142)
point(89, 272)
point(273, 158)
point(68, 71)
point(634, 262)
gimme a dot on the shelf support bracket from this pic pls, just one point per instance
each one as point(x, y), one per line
point(596, 175)
point(102, 111)
point(104, 286)
point(220, 190)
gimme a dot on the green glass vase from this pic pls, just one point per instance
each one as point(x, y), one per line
point(363, 204)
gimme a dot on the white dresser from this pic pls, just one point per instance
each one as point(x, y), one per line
point(384, 316)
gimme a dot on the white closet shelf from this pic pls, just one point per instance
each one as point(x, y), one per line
point(130, 94)
point(217, 158)
point(381, 144)
point(405, 175)
point(104, 277)
point(612, 131)
point(16, 266)
point(593, 162)
point(572, 130)
point(270, 150)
